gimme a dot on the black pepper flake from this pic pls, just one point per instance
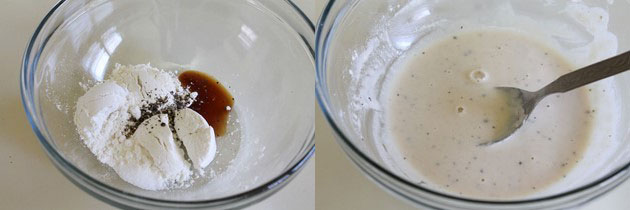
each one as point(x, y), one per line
point(163, 124)
point(182, 101)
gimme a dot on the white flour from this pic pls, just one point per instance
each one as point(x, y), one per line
point(136, 121)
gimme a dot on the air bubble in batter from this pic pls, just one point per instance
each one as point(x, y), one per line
point(478, 76)
point(460, 109)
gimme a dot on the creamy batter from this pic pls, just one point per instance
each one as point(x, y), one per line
point(442, 104)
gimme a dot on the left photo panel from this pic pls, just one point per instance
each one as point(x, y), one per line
point(135, 104)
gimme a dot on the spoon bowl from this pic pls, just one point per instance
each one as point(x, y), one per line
point(523, 102)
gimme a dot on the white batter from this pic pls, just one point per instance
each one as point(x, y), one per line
point(442, 105)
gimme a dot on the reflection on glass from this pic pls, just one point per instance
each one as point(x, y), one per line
point(97, 57)
point(247, 36)
point(111, 40)
point(402, 35)
point(84, 24)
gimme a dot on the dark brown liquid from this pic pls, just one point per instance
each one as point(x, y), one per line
point(212, 101)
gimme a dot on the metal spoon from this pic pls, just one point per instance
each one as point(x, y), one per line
point(525, 101)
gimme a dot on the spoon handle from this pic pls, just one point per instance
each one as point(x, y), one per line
point(588, 74)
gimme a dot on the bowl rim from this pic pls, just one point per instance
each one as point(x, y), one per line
point(322, 42)
point(272, 186)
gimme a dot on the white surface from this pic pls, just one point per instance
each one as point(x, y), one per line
point(340, 184)
point(28, 179)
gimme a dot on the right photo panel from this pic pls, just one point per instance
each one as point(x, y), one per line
point(483, 104)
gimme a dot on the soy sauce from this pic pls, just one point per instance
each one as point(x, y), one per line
point(214, 102)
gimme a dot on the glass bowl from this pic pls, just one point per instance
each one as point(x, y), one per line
point(359, 42)
point(261, 50)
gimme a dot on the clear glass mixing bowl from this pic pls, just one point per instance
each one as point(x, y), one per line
point(357, 42)
point(262, 50)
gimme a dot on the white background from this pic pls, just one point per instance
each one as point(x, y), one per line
point(340, 185)
point(28, 180)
